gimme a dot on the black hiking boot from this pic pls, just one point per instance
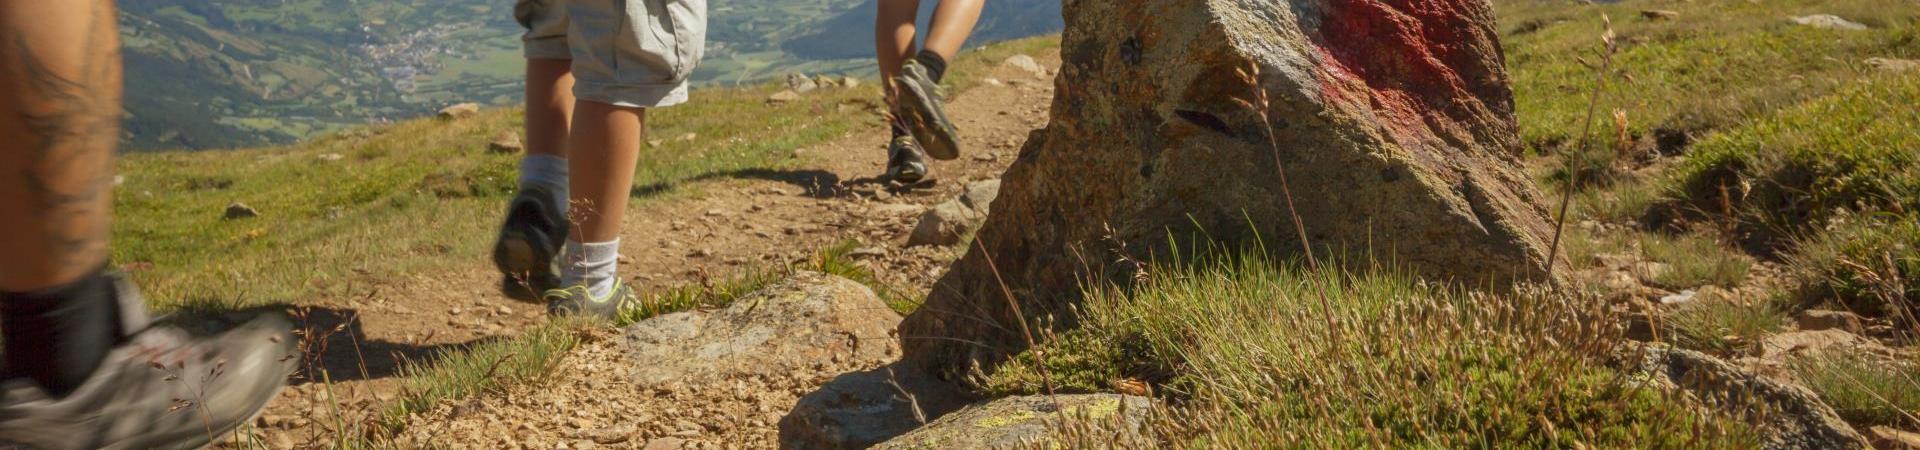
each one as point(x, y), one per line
point(924, 112)
point(163, 387)
point(529, 245)
point(905, 162)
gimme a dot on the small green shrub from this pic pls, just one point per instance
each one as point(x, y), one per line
point(1694, 260)
point(1722, 326)
point(1865, 390)
point(1788, 173)
point(1868, 265)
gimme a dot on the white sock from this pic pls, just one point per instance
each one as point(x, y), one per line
point(546, 172)
point(595, 265)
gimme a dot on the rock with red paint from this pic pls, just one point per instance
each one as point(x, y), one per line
point(1390, 122)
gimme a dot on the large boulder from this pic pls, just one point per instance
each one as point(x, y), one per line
point(811, 322)
point(1394, 124)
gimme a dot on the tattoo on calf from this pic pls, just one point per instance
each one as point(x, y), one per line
point(73, 123)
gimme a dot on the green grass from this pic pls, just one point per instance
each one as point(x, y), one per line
point(1787, 173)
point(1723, 327)
point(1866, 390)
point(1720, 63)
point(1243, 351)
point(1867, 265)
point(1693, 260)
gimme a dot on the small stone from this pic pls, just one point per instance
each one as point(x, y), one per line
point(995, 82)
point(801, 84)
point(868, 252)
point(331, 157)
point(664, 444)
point(1660, 14)
point(1894, 65)
point(1026, 63)
point(239, 210)
point(826, 81)
point(460, 111)
point(506, 143)
point(1830, 22)
point(1676, 299)
point(783, 97)
point(1816, 320)
point(850, 82)
point(580, 423)
point(626, 260)
point(689, 137)
point(279, 441)
point(701, 253)
point(656, 142)
point(1892, 439)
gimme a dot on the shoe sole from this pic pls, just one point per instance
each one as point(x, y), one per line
point(925, 115)
point(523, 265)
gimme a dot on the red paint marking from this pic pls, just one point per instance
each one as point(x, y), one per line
point(1404, 52)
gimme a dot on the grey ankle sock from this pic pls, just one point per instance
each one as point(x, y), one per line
point(546, 172)
point(595, 265)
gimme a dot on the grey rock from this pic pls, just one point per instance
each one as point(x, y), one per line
point(1792, 417)
point(1829, 21)
point(800, 83)
point(799, 323)
point(945, 224)
point(826, 81)
point(980, 195)
point(1149, 142)
point(1029, 422)
point(849, 82)
point(1659, 14)
point(238, 210)
point(1027, 64)
point(1817, 319)
point(860, 409)
point(1888, 438)
point(507, 142)
point(783, 96)
point(460, 111)
point(1894, 64)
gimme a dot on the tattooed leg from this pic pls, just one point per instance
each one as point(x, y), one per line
point(59, 124)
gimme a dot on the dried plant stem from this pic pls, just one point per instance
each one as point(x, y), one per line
point(1586, 138)
point(1260, 104)
point(1039, 357)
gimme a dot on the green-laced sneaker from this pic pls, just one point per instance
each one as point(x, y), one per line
point(576, 301)
point(925, 113)
point(905, 163)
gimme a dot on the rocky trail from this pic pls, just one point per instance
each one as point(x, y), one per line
point(729, 224)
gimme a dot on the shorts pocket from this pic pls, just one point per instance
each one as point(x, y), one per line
point(688, 20)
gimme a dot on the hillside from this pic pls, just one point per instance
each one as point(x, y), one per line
point(240, 73)
point(1747, 198)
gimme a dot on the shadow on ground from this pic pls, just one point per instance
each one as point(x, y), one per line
point(334, 347)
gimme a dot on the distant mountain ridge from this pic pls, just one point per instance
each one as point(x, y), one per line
point(850, 34)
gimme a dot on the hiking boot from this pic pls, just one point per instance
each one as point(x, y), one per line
point(924, 113)
point(530, 243)
point(576, 301)
point(162, 388)
point(905, 163)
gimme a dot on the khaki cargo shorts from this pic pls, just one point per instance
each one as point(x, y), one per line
point(633, 53)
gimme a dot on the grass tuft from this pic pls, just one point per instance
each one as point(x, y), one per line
point(1241, 347)
point(1865, 390)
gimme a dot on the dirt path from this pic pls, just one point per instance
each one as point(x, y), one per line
point(734, 223)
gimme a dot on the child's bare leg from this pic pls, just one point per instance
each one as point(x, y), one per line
point(606, 146)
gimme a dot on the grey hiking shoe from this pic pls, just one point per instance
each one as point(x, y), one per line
point(163, 388)
point(576, 301)
point(924, 112)
point(905, 163)
point(530, 243)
